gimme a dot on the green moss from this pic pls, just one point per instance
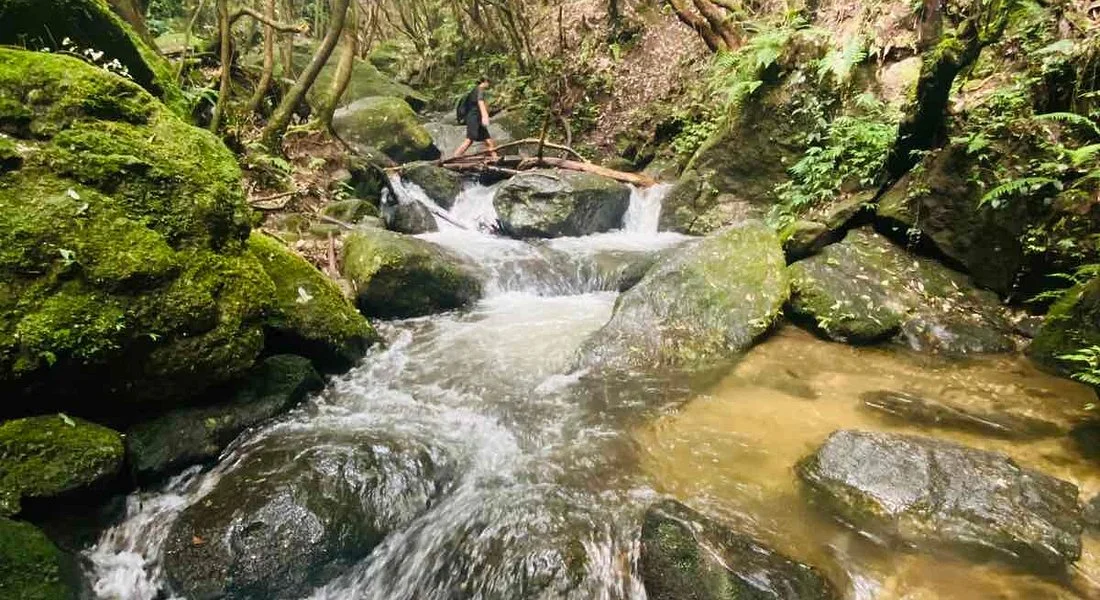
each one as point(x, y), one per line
point(31, 566)
point(389, 125)
point(90, 25)
point(43, 457)
point(1071, 324)
point(401, 276)
point(311, 315)
point(366, 81)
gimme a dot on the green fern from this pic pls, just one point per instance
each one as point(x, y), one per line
point(996, 196)
point(1083, 155)
point(1089, 360)
point(840, 63)
point(1071, 119)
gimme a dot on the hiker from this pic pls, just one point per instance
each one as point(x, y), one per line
point(475, 113)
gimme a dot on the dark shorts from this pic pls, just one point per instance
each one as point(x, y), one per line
point(475, 130)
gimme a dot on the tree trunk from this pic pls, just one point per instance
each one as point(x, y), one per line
point(133, 12)
point(262, 86)
point(699, 24)
point(280, 119)
point(226, 57)
point(327, 105)
point(717, 20)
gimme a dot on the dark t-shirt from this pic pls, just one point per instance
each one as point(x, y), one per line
point(472, 109)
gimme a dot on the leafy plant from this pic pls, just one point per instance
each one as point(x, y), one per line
point(997, 196)
point(1088, 359)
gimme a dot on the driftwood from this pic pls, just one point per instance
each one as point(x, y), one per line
point(513, 165)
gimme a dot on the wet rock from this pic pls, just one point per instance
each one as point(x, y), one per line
point(409, 217)
point(697, 307)
point(398, 276)
point(310, 317)
point(196, 435)
point(387, 124)
point(1091, 513)
point(441, 185)
point(31, 566)
point(550, 203)
point(987, 418)
point(695, 207)
point(932, 493)
point(686, 555)
point(48, 457)
point(351, 211)
point(865, 290)
point(1071, 324)
point(803, 238)
point(297, 510)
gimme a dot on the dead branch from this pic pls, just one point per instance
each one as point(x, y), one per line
point(269, 202)
point(517, 143)
point(245, 11)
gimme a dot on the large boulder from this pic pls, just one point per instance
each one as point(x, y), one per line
point(123, 271)
point(401, 276)
point(31, 566)
point(48, 457)
point(865, 289)
point(366, 82)
point(189, 436)
point(549, 203)
point(89, 25)
point(387, 124)
point(297, 510)
point(931, 493)
point(686, 556)
point(441, 185)
point(310, 317)
point(411, 217)
point(1072, 324)
point(697, 307)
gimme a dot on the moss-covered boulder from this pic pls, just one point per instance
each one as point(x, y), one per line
point(310, 317)
point(387, 124)
point(550, 203)
point(699, 306)
point(397, 276)
point(687, 555)
point(297, 510)
point(351, 211)
point(1072, 324)
point(865, 290)
point(441, 185)
point(934, 494)
point(89, 25)
point(123, 275)
point(46, 457)
point(31, 566)
point(190, 436)
point(366, 82)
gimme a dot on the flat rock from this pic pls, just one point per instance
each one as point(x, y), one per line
point(548, 203)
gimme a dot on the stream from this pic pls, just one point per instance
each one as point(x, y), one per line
point(549, 471)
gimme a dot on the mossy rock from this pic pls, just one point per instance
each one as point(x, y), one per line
point(803, 238)
point(351, 211)
point(387, 124)
point(548, 203)
point(441, 185)
point(122, 272)
point(367, 82)
point(865, 289)
point(90, 25)
point(311, 317)
point(412, 217)
point(687, 555)
point(197, 435)
point(401, 276)
point(31, 566)
point(49, 456)
point(698, 307)
point(1073, 323)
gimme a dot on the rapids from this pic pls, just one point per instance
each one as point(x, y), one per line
point(552, 470)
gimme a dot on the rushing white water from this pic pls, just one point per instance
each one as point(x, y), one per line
point(489, 388)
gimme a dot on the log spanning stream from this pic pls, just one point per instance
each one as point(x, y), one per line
point(539, 478)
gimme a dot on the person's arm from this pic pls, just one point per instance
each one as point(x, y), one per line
point(484, 108)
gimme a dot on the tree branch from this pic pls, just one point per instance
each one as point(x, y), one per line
point(245, 11)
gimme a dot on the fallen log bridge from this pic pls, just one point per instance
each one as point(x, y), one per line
point(482, 162)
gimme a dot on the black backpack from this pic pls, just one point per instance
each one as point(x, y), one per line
point(462, 108)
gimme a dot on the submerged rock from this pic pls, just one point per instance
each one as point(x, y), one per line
point(196, 435)
point(31, 566)
point(397, 276)
point(986, 417)
point(310, 317)
point(387, 124)
point(411, 217)
point(865, 290)
point(296, 511)
point(932, 493)
point(48, 457)
point(698, 306)
point(441, 185)
point(1071, 324)
point(548, 203)
point(686, 555)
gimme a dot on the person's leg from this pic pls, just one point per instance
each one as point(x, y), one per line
point(464, 147)
point(489, 143)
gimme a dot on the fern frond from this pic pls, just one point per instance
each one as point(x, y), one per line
point(1084, 154)
point(1014, 187)
point(1070, 118)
